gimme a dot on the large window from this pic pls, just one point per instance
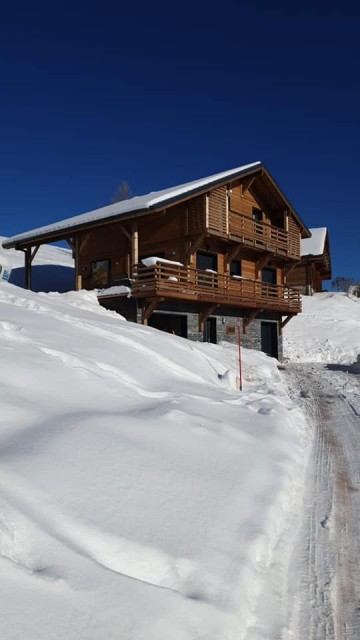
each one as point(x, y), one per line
point(100, 273)
point(206, 261)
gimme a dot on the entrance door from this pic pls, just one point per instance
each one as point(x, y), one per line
point(210, 330)
point(269, 339)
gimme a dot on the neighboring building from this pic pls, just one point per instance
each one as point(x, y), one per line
point(192, 258)
point(315, 263)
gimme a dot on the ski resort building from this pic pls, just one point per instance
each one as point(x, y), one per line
point(191, 259)
point(315, 263)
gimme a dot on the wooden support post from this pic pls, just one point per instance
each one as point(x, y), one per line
point(204, 314)
point(78, 276)
point(284, 323)
point(250, 318)
point(148, 308)
point(134, 245)
point(29, 254)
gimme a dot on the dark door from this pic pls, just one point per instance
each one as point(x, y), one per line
point(206, 261)
point(269, 339)
point(210, 330)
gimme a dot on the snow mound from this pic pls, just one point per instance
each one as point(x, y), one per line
point(142, 496)
point(327, 330)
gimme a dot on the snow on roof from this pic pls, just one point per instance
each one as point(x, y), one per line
point(138, 203)
point(315, 245)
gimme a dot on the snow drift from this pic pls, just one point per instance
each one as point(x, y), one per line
point(327, 330)
point(142, 496)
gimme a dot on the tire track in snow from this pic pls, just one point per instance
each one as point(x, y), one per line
point(326, 594)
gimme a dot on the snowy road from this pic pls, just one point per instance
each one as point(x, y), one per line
point(324, 575)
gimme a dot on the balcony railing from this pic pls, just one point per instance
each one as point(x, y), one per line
point(187, 283)
point(258, 234)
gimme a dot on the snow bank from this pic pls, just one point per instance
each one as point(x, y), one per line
point(141, 495)
point(327, 330)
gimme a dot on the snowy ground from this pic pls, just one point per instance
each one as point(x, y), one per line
point(141, 495)
point(328, 330)
point(324, 593)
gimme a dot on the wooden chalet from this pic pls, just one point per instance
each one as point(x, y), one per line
point(192, 258)
point(315, 263)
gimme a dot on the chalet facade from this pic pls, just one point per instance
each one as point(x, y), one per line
point(315, 264)
point(191, 259)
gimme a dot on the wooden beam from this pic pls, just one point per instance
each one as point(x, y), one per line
point(148, 307)
point(194, 245)
point(232, 253)
point(284, 323)
point(205, 313)
point(71, 244)
point(250, 318)
point(126, 233)
point(262, 262)
point(245, 186)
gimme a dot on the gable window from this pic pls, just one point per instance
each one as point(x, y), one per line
point(100, 270)
point(235, 268)
point(257, 214)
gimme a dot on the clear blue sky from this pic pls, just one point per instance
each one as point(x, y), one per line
point(96, 92)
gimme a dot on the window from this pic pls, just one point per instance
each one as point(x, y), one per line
point(268, 275)
point(100, 273)
point(206, 261)
point(257, 214)
point(235, 268)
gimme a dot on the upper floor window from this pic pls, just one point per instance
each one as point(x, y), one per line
point(100, 270)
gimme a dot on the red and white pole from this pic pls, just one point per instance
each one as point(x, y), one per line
point(240, 363)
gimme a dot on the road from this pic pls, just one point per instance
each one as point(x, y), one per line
point(324, 585)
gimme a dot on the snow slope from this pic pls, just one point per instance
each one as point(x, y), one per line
point(327, 330)
point(141, 495)
point(52, 270)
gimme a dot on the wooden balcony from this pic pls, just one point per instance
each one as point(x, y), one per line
point(258, 234)
point(186, 283)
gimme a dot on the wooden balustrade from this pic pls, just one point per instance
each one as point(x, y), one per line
point(258, 234)
point(187, 283)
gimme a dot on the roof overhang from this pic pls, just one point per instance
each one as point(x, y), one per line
point(68, 227)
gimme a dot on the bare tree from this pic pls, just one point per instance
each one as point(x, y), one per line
point(342, 284)
point(123, 192)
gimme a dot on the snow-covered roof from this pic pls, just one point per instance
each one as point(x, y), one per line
point(139, 203)
point(314, 246)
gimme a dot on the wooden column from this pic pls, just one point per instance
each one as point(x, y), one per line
point(78, 276)
point(29, 254)
point(134, 245)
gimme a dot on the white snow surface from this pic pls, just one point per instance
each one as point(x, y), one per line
point(141, 494)
point(153, 260)
point(315, 245)
point(327, 330)
point(138, 203)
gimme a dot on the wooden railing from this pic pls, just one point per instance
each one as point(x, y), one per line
point(187, 283)
point(258, 234)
